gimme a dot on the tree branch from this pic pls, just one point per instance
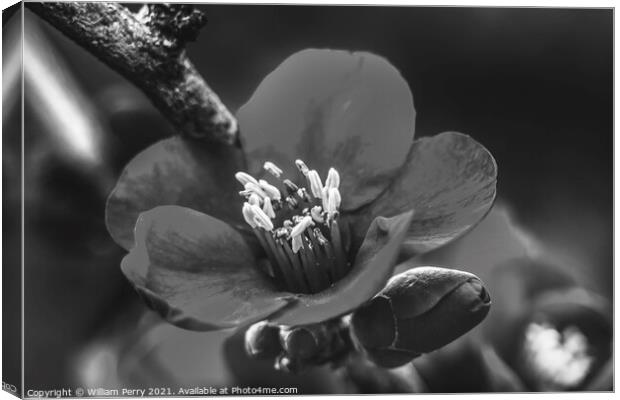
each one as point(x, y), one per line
point(148, 48)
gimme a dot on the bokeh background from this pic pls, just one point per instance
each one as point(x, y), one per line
point(534, 85)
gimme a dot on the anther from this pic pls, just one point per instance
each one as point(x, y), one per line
point(261, 219)
point(316, 186)
point(333, 200)
point(255, 187)
point(303, 168)
point(315, 212)
point(248, 214)
point(272, 169)
point(297, 243)
point(333, 179)
point(244, 178)
point(292, 203)
point(254, 199)
point(303, 194)
point(271, 190)
point(268, 209)
point(302, 258)
point(305, 223)
point(291, 188)
point(319, 235)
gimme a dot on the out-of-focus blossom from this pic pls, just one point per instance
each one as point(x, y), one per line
point(545, 331)
point(193, 256)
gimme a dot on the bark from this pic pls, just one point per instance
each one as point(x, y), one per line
point(148, 49)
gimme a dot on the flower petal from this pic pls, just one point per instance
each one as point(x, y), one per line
point(373, 266)
point(197, 271)
point(175, 171)
point(449, 180)
point(350, 111)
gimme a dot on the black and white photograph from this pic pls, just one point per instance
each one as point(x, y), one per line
point(203, 199)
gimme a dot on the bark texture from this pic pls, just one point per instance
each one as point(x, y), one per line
point(148, 48)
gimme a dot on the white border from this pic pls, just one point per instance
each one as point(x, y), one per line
point(479, 3)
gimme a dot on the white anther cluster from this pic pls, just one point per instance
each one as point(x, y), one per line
point(297, 227)
point(559, 359)
point(263, 200)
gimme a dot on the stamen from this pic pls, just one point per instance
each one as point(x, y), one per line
point(282, 233)
point(302, 167)
point(307, 262)
point(333, 200)
point(341, 266)
point(268, 209)
point(260, 218)
point(296, 243)
point(291, 188)
point(303, 194)
point(301, 258)
point(333, 179)
point(271, 190)
point(255, 188)
point(331, 256)
point(297, 269)
point(254, 199)
point(248, 214)
point(283, 264)
point(260, 235)
point(320, 260)
point(305, 223)
point(292, 203)
point(244, 178)
point(316, 186)
point(272, 169)
point(316, 214)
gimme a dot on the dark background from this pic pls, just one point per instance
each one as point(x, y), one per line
point(533, 85)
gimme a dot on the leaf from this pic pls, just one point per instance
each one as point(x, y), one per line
point(331, 108)
point(197, 271)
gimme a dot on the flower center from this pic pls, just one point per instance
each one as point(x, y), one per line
point(299, 229)
point(560, 360)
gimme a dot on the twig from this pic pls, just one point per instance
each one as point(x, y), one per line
point(147, 48)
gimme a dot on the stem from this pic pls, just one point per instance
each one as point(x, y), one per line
point(148, 48)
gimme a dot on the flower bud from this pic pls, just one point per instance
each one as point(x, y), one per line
point(285, 363)
point(263, 340)
point(420, 310)
point(301, 342)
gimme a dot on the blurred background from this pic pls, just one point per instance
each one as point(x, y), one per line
point(533, 85)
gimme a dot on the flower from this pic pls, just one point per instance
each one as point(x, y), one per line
point(560, 338)
point(195, 259)
point(546, 330)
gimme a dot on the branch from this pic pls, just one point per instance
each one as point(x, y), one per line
point(147, 48)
